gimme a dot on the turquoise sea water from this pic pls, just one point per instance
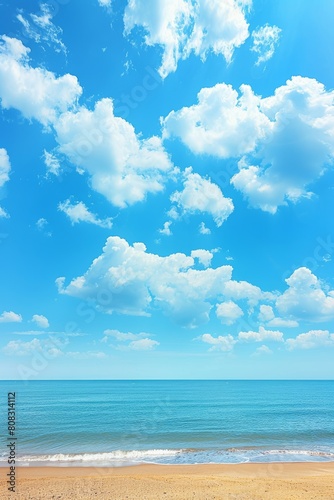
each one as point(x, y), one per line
point(113, 423)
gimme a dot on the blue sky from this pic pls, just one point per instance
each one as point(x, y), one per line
point(166, 189)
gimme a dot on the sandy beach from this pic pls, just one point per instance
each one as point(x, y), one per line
point(276, 481)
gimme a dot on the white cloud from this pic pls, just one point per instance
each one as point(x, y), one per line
point(143, 345)
point(35, 92)
point(135, 341)
point(166, 229)
point(4, 176)
point(40, 321)
point(204, 257)
point(133, 281)
point(228, 312)
point(261, 336)
point(266, 313)
point(10, 317)
point(287, 137)
point(105, 3)
point(311, 340)
point(202, 195)
point(40, 28)
point(4, 167)
point(3, 213)
point(123, 337)
point(265, 40)
point(123, 167)
point(52, 163)
point(222, 124)
point(22, 348)
point(263, 349)
point(305, 299)
point(183, 27)
point(298, 147)
point(220, 343)
point(78, 212)
point(242, 290)
point(41, 223)
point(203, 229)
point(282, 323)
point(267, 316)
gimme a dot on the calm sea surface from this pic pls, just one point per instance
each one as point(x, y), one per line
point(113, 423)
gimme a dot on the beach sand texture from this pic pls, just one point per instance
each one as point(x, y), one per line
point(283, 481)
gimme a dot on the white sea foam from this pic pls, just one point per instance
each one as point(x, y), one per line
point(178, 456)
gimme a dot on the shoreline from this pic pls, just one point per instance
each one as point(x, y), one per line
point(250, 481)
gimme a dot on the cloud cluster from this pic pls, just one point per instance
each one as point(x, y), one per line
point(183, 27)
point(78, 212)
point(35, 92)
point(122, 167)
point(285, 141)
point(133, 281)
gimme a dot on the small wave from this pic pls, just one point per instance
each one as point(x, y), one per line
point(177, 457)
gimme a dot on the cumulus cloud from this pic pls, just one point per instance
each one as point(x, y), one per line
point(262, 335)
point(311, 340)
point(40, 320)
point(122, 167)
point(266, 313)
point(265, 40)
point(202, 195)
point(10, 317)
point(40, 28)
point(221, 343)
point(35, 92)
point(183, 27)
point(78, 212)
point(305, 299)
point(298, 148)
point(228, 312)
point(284, 141)
point(133, 281)
point(222, 124)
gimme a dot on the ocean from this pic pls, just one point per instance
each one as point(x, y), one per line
point(115, 423)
